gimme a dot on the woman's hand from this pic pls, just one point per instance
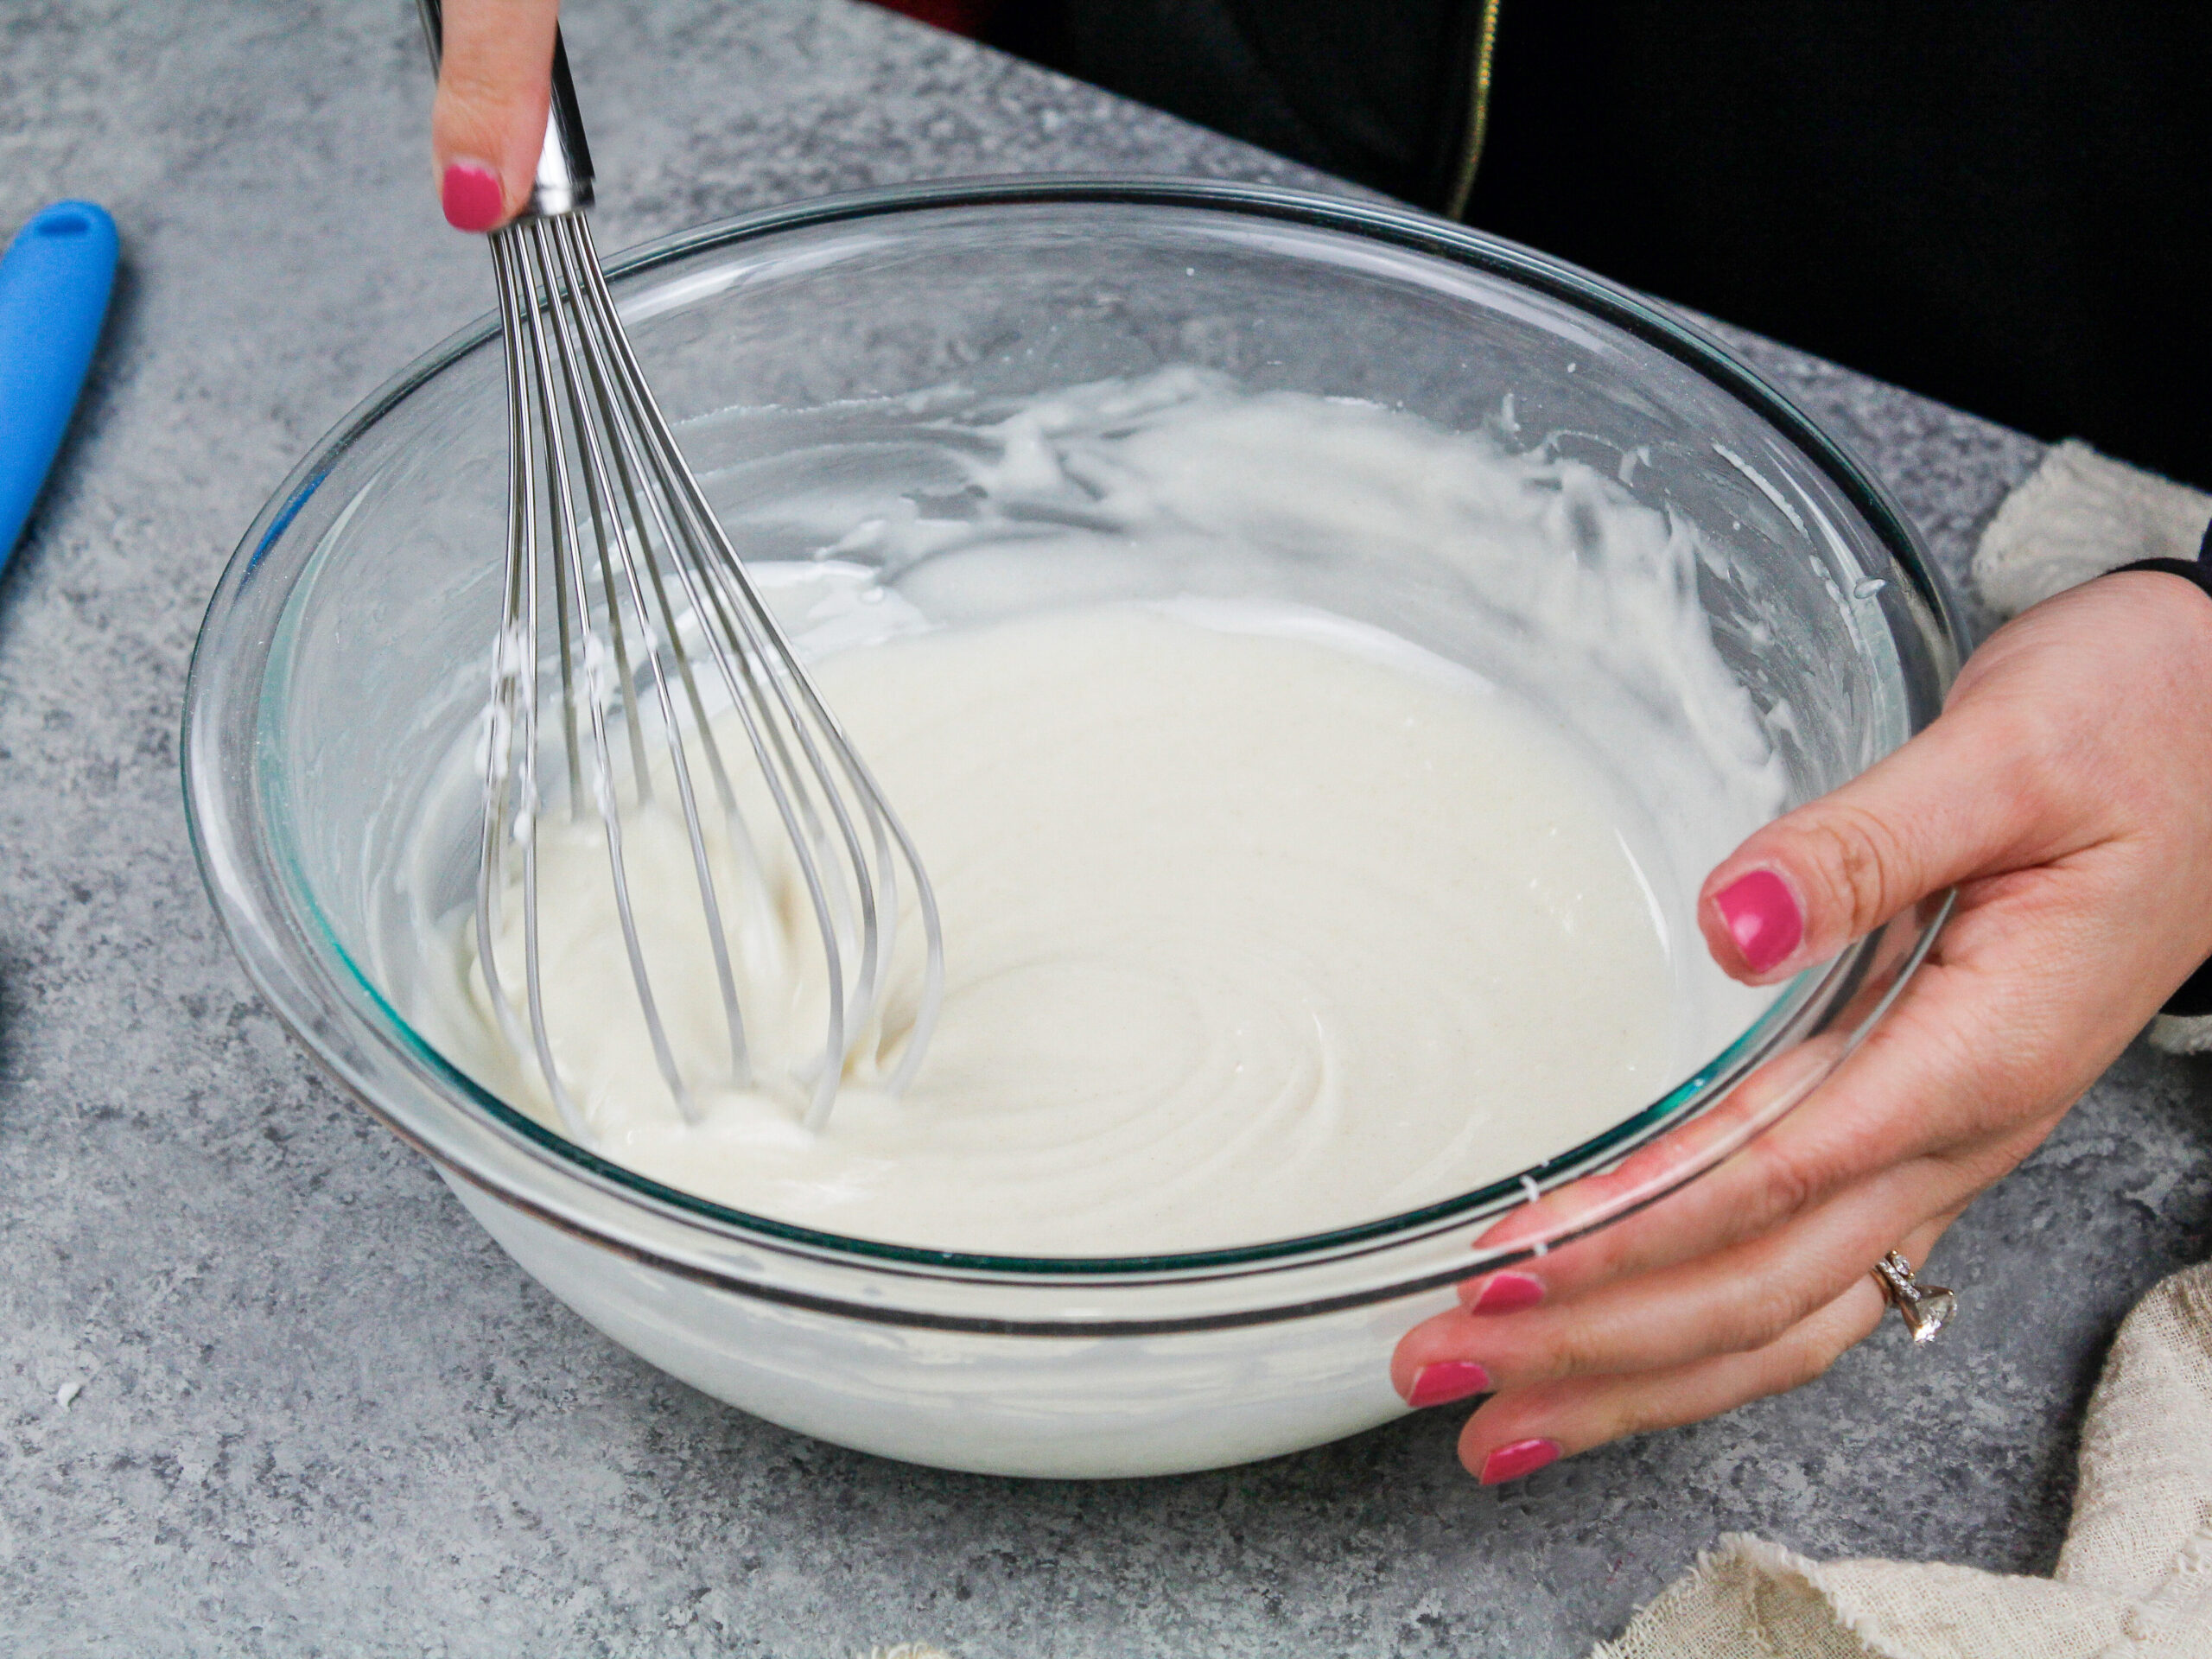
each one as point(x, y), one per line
point(2066, 791)
point(488, 125)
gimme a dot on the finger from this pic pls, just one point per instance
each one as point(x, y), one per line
point(1732, 1300)
point(1944, 1072)
point(1700, 1214)
point(488, 125)
point(1965, 796)
point(1516, 1434)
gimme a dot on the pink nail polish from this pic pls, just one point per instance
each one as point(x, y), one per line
point(1441, 1384)
point(1763, 917)
point(1507, 1293)
point(471, 196)
point(1521, 1457)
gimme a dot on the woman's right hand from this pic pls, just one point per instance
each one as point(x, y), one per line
point(488, 126)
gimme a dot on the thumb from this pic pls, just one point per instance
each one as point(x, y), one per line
point(1957, 801)
point(494, 89)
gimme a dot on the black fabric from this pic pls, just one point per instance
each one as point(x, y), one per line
point(2196, 570)
point(2004, 204)
point(2194, 999)
point(1373, 92)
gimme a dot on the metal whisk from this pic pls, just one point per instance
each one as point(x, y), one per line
point(609, 532)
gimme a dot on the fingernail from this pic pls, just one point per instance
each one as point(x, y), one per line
point(1521, 1457)
point(1454, 1379)
point(1506, 1293)
point(471, 196)
point(1762, 917)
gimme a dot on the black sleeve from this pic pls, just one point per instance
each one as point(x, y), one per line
point(2195, 997)
point(2196, 570)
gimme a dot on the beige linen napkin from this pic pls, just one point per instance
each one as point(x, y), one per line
point(2135, 1577)
point(2079, 515)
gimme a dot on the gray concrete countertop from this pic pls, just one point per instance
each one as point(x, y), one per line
point(266, 1390)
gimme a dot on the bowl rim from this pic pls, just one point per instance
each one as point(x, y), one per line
point(1801, 1005)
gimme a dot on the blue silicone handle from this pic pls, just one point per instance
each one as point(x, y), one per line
point(54, 280)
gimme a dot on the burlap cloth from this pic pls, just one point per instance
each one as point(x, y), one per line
point(2135, 1577)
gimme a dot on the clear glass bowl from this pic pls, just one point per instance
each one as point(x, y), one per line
point(345, 650)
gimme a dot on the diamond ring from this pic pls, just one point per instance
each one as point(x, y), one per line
point(1925, 1309)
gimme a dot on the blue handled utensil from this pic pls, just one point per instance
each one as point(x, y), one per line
point(54, 280)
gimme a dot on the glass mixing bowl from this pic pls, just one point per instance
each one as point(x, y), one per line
point(347, 647)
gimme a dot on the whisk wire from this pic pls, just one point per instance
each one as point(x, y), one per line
point(743, 654)
point(725, 566)
point(584, 423)
point(585, 350)
point(515, 667)
point(757, 636)
point(568, 555)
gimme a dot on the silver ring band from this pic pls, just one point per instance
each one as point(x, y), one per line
point(1925, 1309)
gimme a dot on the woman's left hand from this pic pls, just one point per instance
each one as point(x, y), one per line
point(2066, 793)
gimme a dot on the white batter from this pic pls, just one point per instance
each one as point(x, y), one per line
point(1257, 924)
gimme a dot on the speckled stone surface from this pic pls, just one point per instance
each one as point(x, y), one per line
point(267, 1391)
